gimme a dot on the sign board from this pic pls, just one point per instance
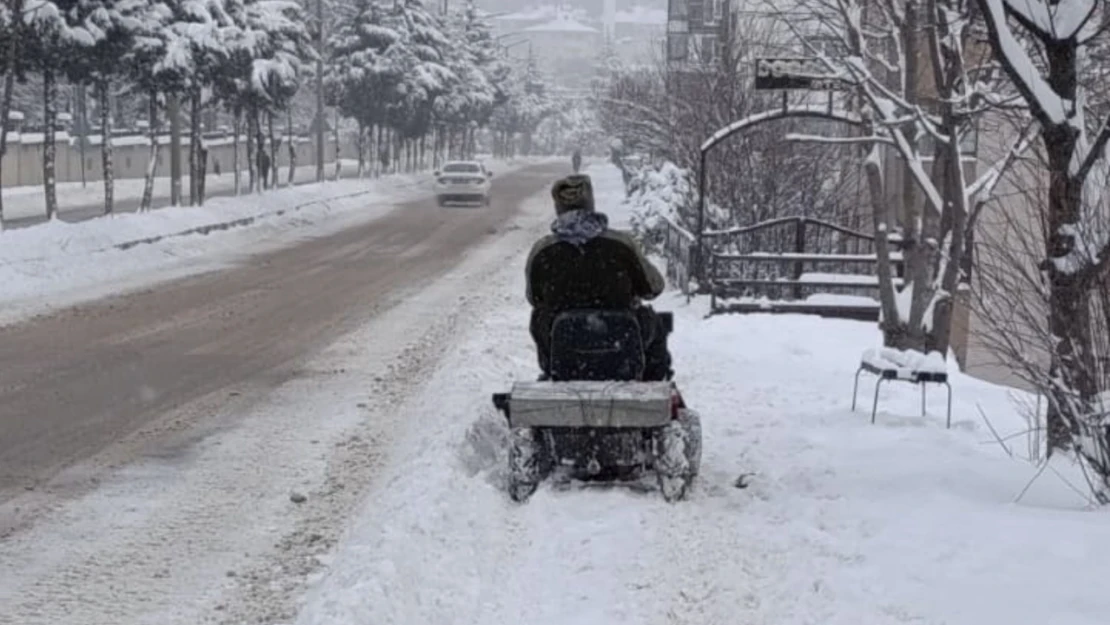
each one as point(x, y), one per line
point(774, 74)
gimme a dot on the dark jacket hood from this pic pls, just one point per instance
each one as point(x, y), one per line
point(578, 227)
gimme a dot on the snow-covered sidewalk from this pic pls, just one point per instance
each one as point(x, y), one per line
point(60, 263)
point(28, 200)
point(839, 522)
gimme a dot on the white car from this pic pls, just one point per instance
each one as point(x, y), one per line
point(463, 181)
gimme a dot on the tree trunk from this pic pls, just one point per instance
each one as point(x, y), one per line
point(5, 112)
point(338, 152)
point(879, 215)
point(292, 146)
point(11, 60)
point(396, 151)
point(273, 150)
point(174, 113)
point(103, 94)
point(252, 151)
point(955, 231)
point(49, 115)
point(148, 182)
point(361, 148)
point(371, 147)
point(380, 151)
point(1069, 319)
point(196, 142)
point(202, 183)
point(236, 127)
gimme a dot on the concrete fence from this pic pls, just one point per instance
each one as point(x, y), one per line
point(22, 164)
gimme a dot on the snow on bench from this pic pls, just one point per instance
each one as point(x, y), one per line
point(904, 366)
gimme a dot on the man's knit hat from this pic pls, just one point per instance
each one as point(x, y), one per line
point(573, 193)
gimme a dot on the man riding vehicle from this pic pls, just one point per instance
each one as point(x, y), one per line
point(584, 264)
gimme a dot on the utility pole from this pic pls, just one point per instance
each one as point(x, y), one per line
point(320, 91)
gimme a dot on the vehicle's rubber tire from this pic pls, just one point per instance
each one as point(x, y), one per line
point(678, 455)
point(525, 462)
point(440, 202)
point(691, 422)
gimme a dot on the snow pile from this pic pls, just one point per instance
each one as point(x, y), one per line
point(804, 512)
point(60, 238)
point(27, 200)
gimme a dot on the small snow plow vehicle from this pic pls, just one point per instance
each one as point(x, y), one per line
point(596, 418)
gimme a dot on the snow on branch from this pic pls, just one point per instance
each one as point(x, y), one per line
point(838, 140)
point(814, 111)
point(984, 186)
point(1096, 150)
point(1057, 20)
point(1046, 103)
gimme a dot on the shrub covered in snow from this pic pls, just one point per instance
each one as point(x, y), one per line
point(658, 192)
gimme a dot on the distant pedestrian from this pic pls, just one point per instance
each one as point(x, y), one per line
point(576, 161)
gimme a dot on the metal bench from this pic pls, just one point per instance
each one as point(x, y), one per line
point(882, 363)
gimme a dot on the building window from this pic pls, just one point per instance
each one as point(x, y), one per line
point(678, 9)
point(707, 48)
point(677, 47)
point(697, 13)
point(712, 12)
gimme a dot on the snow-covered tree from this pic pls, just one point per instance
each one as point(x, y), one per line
point(1050, 50)
point(175, 43)
point(912, 73)
point(572, 125)
point(527, 106)
point(113, 24)
point(421, 62)
point(480, 81)
point(54, 34)
point(359, 77)
point(403, 73)
point(280, 53)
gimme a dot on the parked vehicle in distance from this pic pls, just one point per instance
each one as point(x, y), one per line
point(463, 182)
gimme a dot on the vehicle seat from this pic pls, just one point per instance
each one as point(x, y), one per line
point(596, 345)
